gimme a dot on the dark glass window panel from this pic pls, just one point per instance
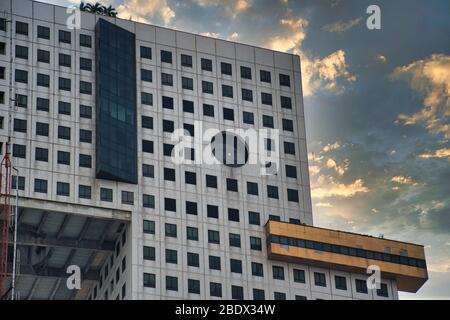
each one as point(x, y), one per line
point(116, 118)
point(43, 32)
point(206, 64)
point(246, 73)
point(85, 40)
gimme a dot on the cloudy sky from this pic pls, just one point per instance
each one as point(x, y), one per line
point(377, 106)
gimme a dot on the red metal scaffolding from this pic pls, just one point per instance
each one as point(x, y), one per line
point(5, 207)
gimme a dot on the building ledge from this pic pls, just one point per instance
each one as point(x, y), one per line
point(401, 261)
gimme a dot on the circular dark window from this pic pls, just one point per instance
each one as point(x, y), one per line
point(230, 149)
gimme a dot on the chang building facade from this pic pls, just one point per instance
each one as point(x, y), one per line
point(90, 112)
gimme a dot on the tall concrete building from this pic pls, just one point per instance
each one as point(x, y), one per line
point(90, 112)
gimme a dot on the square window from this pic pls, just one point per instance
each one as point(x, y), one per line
point(42, 129)
point(170, 204)
point(286, 102)
point(21, 76)
point(319, 279)
point(235, 240)
point(64, 36)
point(20, 125)
point(291, 171)
point(292, 195)
point(288, 125)
point(207, 87)
point(265, 76)
point(226, 68)
point(20, 185)
point(192, 233)
point(43, 56)
point(63, 132)
point(211, 181)
point(21, 52)
point(85, 87)
point(64, 84)
point(247, 95)
point(191, 208)
point(40, 185)
point(146, 99)
point(149, 280)
point(169, 174)
point(171, 230)
point(285, 80)
point(64, 60)
point(299, 276)
point(266, 98)
point(215, 289)
point(147, 146)
point(62, 189)
point(258, 294)
point(248, 117)
point(232, 185)
point(267, 121)
point(171, 283)
point(227, 91)
point(193, 259)
point(85, 111)
point(237, 293)
point(233, 214)
point(148, 170)
point(85, 40)
point(214, 263)
point(190, 177)
point(166, 56)
point(146, 52)
point(106, 194)
point(235, 266)
point(43, 32)
point(279, 296)
point(167, 102)
point(85, 64)
point(246, 73)
point(41, 154)
point(213, 237)
point(188, 106)
point(383, 291)
point(171, 256)
point(361, 286)
point(340, 282)
point(166, 79)
point(84, 192)
point(21, 28)
point(272, 192)
point(42, 104)
point(148, 226)
point(147, 122)
point(149, 253)
point(168, 126)
point(257, 269)
point(167, 149)
point(43, 80)
point(148, 201)
point(289, 148)
point(206, 64)
point(21, 101)
point(208, 110)
point(252, 188)
point(255, 243)
point(254, 218)
point(85, 161)
point(146, 75)
point(212, 211)
point(194, 286)
point(64, 107)
point(19, 151)
point(278, 272)
point(186, 60)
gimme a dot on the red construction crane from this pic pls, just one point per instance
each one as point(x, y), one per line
point(5, 207)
